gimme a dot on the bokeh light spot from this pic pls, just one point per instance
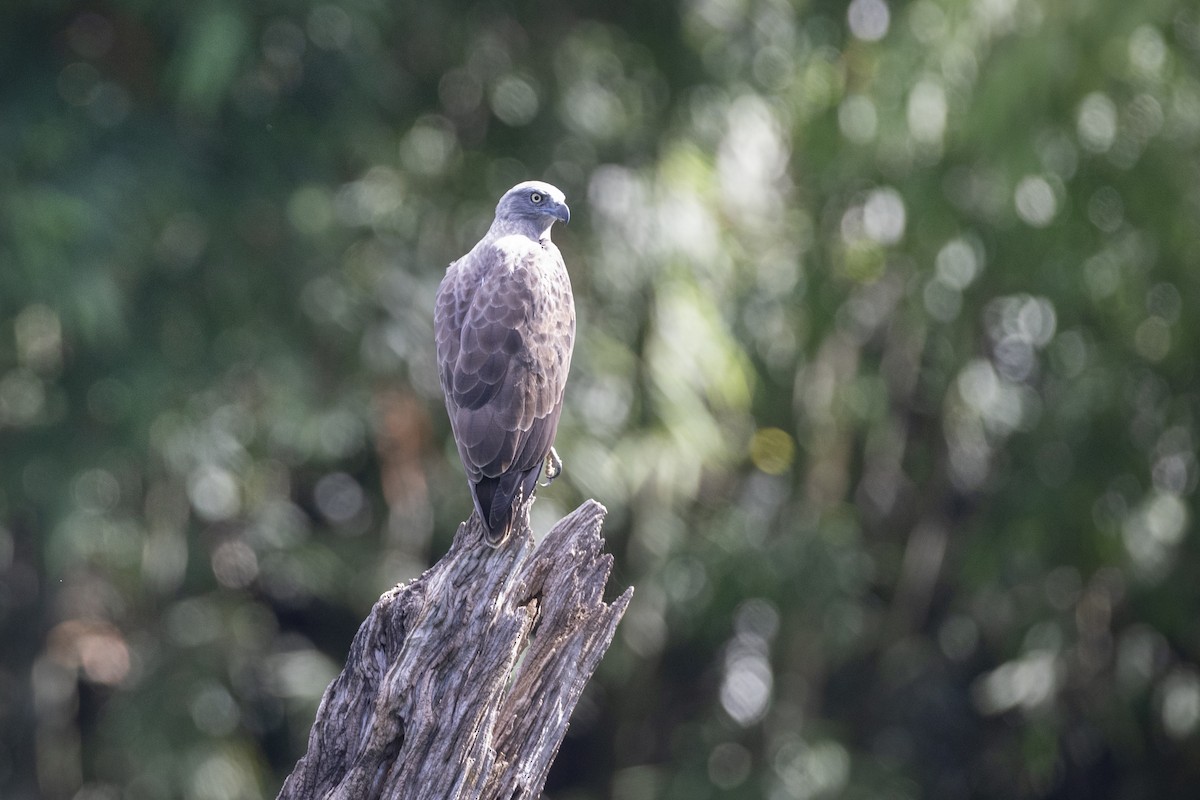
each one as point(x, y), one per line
point(1105, 209)
point(820, 769)
point(1026, 683)
point(1035, 201)
point(330, 27)
point(927, 112)
point(868, 19)
point(310, 209)
point(514, 100)
point(746, 687)
point(958, 264)
point(214, 493)
point(430, 146)
point(221, 776)
point(1096, 123)
point(772, 450)
point(39, 338)
point(234, 564)
point(857, 119)
point(339, 497)
point(1147, 51)
point(214, 711)
point(22, 397)
point(1153, 338)
point(729, 765)
point(884, 216)
point(1179, 701)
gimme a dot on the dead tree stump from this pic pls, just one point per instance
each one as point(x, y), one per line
point(460, 683)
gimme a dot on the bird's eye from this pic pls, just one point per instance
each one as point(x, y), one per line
point(536, 198)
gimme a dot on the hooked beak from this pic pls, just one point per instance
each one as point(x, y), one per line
point(562, 213)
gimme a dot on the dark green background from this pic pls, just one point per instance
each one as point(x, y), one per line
point(886, 373)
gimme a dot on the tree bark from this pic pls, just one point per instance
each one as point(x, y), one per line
point(460, 684)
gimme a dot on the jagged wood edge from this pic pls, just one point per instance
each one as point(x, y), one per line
point(428, 704)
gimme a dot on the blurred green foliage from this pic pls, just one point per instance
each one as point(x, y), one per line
point(885, 374)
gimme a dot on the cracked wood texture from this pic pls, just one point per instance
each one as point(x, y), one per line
point(460, 683)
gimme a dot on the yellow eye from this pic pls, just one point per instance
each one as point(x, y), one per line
point(536, 198)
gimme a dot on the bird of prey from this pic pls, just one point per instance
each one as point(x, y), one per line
point(505, 326)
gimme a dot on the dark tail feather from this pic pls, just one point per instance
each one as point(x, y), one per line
point(499, 500)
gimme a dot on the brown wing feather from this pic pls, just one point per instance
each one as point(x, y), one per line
point(505, 324)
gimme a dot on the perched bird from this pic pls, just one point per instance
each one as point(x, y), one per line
point(505, 326)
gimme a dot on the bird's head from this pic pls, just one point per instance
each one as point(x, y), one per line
point(532, 207)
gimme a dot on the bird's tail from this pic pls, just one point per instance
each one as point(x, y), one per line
point(499, 500)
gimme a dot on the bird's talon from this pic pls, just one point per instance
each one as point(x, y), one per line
point(554, 467)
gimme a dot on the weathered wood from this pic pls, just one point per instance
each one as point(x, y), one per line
point(432, 702)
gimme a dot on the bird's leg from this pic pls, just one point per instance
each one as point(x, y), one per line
point(554, 467)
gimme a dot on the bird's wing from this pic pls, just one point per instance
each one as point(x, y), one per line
point(504, 350)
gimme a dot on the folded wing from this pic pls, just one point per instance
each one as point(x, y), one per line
point(505, 329)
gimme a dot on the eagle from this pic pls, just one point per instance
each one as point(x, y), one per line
point(504, 320)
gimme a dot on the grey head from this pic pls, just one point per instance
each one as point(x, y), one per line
point(531, 208)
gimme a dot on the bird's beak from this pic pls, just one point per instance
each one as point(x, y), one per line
point(562, 213)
